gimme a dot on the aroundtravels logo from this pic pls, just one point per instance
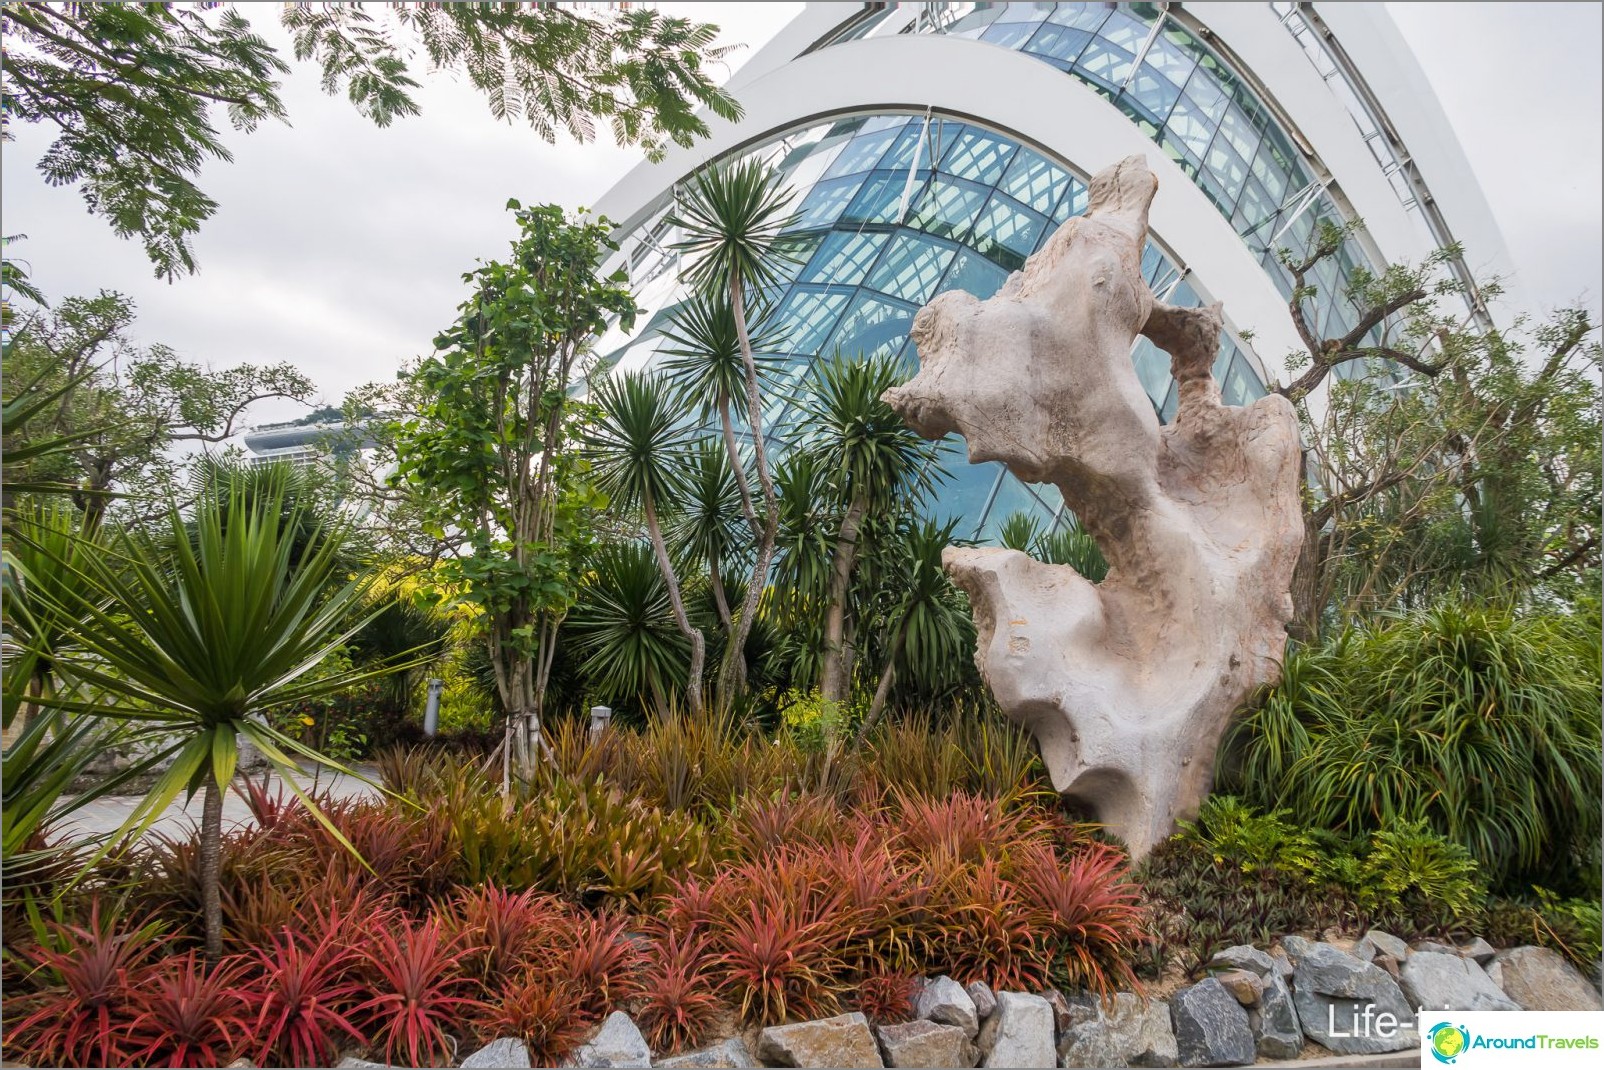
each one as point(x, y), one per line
point(1447, 1041)
point(1550, 1038)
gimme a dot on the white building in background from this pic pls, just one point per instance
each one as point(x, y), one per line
point(934, 146)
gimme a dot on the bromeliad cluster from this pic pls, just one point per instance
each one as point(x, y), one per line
point(468, 920)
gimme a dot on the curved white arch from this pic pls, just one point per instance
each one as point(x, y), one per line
point(1013, 93)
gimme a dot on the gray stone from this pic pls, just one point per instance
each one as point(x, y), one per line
point(945, 1001)
point(926, 1043)
point(1432, 947)
point(1245, 987)
point(1202, 514)
point(1541, 980)
point(730, 1054)
point(1283, 964)
point(1277, 1033)
point(1349, 1006)
point(1479, 951)
point(841, 1041)
point(1436, 981)
point(1019, 1033)
point(502, 1052)
point(617, 1043)
point(1243, 957)
point(985, 1000)
point(1125, 1032)
point(1063, 1017)
point(1495, 974)
point(1375, 942)
point(1211, 1028)
point(351, 1062)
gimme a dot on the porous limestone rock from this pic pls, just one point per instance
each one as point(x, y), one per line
point(945, 1001)
point(617, 1043)
point(1127, 684)
point(1540, 979)
point(925, 1043)
point(841, 1041)
point(1019, 1033)
point(730, 1054)
point(504, 1052)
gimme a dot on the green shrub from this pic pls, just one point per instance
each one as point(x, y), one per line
point(1569, 926)
point(1481, 722)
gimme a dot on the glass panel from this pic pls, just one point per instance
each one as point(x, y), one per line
point(880, 199)
point(807, 316)
point(1034, 180)
point(1155, 93)
point(1228, 168)
point(792, 252)
point(1083, 16)
point(1059, 44)
point(911, 268)
point(979, 156)
point(1242, 135)
point(963, 496)
point(1012, 226)
point(844, 258)
point(1009, 34)
point(1074, 202)
point(947, 207)
point(1105, 63)
point(974, 274)
point(1152, 369)
point(1191, 125)
point(1012, 497)
point(825, 201)
point(861, 153)
point(875, 327)
point(1174, 63)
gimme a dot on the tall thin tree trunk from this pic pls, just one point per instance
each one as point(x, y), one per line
point(833, 682)
point(738, 466)
point(735, 664)
point(693, 686)
point(211, 860)
point(882, 691)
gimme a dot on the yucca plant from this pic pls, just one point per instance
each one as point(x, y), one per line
point(192, 631)
point(877, 463)
point(731, 216)
point(625, 630)
point(638, 454)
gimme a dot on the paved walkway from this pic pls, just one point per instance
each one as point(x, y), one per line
point(108, 814)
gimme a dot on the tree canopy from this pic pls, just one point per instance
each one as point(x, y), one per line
point(131, 88)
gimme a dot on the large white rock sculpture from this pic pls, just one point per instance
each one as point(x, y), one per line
point(1128, 684)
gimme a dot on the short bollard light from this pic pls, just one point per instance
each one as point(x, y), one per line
point(431, 712)
point(600, 718)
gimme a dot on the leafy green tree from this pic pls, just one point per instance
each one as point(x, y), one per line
point(919, 607)
point(117, 409)
point(640, 458)
point(731, 216)
point(131, 88)
point(487, 458)
point(809, 521)
point(878, 463)
point(191, 634)
point(1442, 459)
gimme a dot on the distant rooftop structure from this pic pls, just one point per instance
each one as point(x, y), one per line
point(302, 444)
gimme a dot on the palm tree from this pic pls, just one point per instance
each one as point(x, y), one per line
point(810, 519)
point(925, 614)
point(625, 629)
point(879, 462)
point(194, 630)
point(638, 459)
point(731, 216)
point(706, 528)
point(704, 360)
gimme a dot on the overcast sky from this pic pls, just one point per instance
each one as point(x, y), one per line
point(340, 246)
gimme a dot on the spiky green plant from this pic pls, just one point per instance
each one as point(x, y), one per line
point(731, 215)
point(639, 454)
point(192, 630)
point(624, 628)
